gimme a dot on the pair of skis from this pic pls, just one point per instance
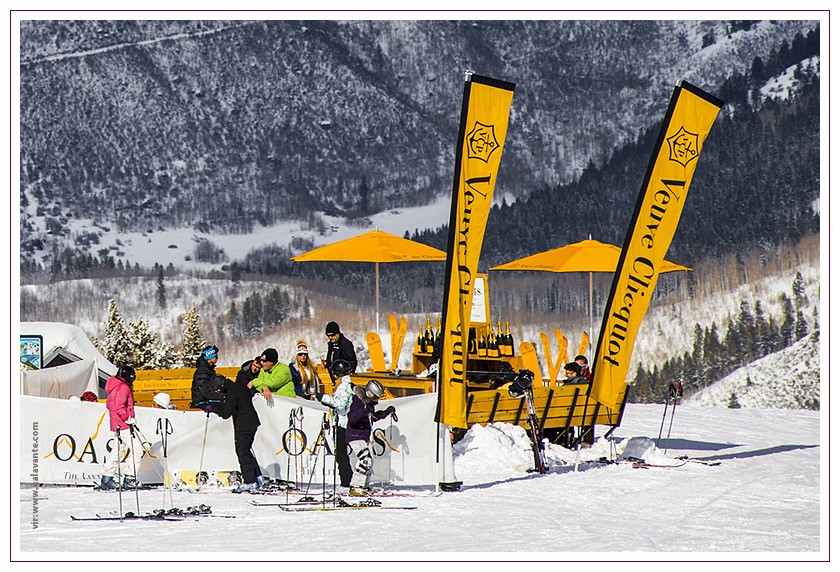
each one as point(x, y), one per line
point(173, 514)
point(336, 503)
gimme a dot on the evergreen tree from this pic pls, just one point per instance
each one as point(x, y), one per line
point(712, 353)
point(762, 334)
point(193, 341)
point(236, 277)
point(161, 289)
point(800, 329)
point(149, 352)
point(115, 344)
point(788, 322)
point(234, 322)
point(733, 402)
point(798, 289)
point(746, 333)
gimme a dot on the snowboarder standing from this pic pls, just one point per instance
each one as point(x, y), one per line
point(120, 405)
point(362, 410)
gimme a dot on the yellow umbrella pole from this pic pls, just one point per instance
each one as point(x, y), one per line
point(377, 298)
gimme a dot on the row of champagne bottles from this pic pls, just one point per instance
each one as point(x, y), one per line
point(483, 341)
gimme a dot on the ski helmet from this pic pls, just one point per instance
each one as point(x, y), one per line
point(340, 367)
point(521, 383)
point(126, 373)
point(374, 389)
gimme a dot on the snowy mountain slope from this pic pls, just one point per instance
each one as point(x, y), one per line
point(788, 379)
point(184, 99)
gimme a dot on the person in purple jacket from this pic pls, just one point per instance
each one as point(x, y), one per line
point(120, 405)
point(362, 411)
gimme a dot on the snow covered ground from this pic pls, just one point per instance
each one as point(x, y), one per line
point(765, 500)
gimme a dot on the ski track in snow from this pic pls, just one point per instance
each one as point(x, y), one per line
point(763, 501)
point(113, 47)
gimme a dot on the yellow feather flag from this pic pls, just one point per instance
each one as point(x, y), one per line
point(484, 121)
point(687, 123)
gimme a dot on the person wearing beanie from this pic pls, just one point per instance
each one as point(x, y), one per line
point(275, 378)
point(339, 348)
point(303, 372)
point(204, 396)
point(584, 367)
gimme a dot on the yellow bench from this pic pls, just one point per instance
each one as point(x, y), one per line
point(559, 407)
point(175, 382)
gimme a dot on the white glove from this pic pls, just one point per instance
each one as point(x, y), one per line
point(130, 421)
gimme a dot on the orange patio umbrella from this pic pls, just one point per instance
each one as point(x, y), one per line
point(374, 246)
point(585, 256)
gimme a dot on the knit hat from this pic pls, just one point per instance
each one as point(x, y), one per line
point(162, 399)
point(269, 355)
point(332, 328)
point(301, 347)
point(210, 352)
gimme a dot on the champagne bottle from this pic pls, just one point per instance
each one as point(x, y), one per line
point(509, 339)
point(492, 346)
point(482, 346)
point(472, 344)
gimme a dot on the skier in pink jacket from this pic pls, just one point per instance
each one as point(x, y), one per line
point(120, 405)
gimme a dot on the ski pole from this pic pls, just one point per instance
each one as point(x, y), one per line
point(134, 467)
point(664, 413)
point(319, 442)
point(677, 394)
point(119, 474)
point(198, 475)
point(144, 442)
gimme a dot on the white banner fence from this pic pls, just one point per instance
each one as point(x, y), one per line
point(65, 442)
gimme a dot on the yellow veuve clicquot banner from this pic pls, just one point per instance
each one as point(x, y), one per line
point(690, 116)
point(481, 137)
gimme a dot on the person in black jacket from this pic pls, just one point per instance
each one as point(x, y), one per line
point(203, 395)
point(249, 371)
point(339, 348)
point(239, 404)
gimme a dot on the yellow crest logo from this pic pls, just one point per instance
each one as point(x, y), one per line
point(683, 147)
point(481, 142)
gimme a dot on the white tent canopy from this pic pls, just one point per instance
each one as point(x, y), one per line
point(61, 382)
point(73, 378)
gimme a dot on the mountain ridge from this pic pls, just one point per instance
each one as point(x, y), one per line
point(171, 130)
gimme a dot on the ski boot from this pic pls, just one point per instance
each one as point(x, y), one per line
point(246, 488)
point(359, 492)
point(107, 483)
point(130, 482)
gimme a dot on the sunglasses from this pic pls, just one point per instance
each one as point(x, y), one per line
point(303, 353)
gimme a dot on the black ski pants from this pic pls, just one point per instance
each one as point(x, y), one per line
point(342, 456)
point(243, 440)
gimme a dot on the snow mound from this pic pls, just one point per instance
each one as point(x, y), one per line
point(645, 449)
point(493, 451)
